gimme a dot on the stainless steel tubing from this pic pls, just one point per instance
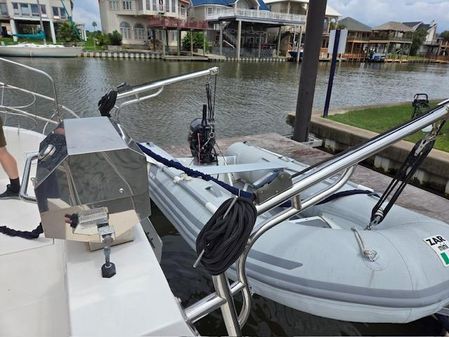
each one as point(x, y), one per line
point(228, 310)
point(334, 188)
point(22, 112)
point(162, 83)
point(139, 99)
point(42, 73)
point(297, 207)
point(209, 304)
point(25, 179)
point(353, 156)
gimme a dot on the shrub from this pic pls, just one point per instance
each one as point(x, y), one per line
point(115, 38)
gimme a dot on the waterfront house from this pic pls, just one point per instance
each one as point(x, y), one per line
point(391, 38)
point(24, 17)
point(358, 38)
point(292, 35)
point(242, 27)
point(150, 23)
point(430, 44)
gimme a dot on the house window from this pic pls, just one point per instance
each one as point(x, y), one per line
point(210, 10)
point(34, 10)
point(55, 11)
point(43, 10)
point(183, 11)
point(113, 5)
point(139, 32)
point(15, 7)
point(127, 5)
point(63, 12)
point(167, 5)
point(3, 9)
point(125, 30)
point(25, 10)
point(173, 6)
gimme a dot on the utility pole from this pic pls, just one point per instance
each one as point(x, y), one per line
point(41, 22)
point(309, 68)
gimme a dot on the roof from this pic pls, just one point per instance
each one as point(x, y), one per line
point(392, 25)
point(329, 10)
point(262, 5)
point(412, 24)
point(353, 25)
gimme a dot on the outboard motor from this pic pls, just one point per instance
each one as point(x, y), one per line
point(91, 184)
point(202, 139)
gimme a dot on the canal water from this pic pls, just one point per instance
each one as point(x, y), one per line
point(251, 98)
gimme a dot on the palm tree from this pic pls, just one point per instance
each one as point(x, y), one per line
point(94, 24)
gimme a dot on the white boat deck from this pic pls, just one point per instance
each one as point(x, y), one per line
point(54, 288)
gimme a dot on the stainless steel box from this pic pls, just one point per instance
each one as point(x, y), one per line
point(87, 164)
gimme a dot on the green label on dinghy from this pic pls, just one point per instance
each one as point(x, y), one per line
point(440, 246)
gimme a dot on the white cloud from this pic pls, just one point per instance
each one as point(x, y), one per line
point(86, 11)
point(377, 12)
point(370, 12)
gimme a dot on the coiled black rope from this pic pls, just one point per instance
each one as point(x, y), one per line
point(29, 235)
point(107, 103)
point(225, 235)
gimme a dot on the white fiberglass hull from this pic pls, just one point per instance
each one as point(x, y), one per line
point(51, 287)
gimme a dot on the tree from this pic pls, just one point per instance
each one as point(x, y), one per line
point(417, 40)
point(68, 32)
point(115, 38)
point(94, 24)
point(445, 35)
point(199, 40)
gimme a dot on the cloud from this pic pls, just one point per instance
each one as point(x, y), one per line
point(370, 12)
point(86, 11)
point(377, 12)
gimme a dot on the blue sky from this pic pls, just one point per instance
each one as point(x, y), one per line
point(370, 12)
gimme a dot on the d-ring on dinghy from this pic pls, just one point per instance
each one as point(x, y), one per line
point(333, 250)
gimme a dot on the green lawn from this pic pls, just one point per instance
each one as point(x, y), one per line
point(385, 118)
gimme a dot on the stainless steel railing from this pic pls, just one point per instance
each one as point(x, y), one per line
point(19, 110)
point(341, 166)
point(140, 93)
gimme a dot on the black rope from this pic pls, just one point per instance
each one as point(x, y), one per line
point(346, 193)
point(29, 235)
point(195, 174)
point(224, 238)
point(107, 103)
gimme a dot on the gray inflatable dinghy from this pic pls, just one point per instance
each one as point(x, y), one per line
point(323, 261)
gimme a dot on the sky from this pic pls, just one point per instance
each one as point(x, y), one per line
point(370, 12)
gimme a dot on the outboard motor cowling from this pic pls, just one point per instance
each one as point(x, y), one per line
point(202, 140)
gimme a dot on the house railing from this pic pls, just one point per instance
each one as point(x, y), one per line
point(390, 37)
point(255, 14)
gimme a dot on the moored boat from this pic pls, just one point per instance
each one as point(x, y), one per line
point(326, 252)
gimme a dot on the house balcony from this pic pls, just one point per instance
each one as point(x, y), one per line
point(152, 8)
point(174, 23)
point(255, 16)
point(390, 38)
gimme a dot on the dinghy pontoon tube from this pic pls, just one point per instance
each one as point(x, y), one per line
point(322, 261)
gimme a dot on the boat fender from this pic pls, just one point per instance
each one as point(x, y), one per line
point(222, 240)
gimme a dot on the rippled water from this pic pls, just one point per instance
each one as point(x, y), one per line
point(251, 98)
